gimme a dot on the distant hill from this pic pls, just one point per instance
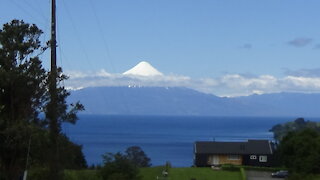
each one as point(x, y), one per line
point(184, 101)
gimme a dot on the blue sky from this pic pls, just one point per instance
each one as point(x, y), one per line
point(225, 47)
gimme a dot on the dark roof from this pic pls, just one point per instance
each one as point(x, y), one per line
point(242, 148)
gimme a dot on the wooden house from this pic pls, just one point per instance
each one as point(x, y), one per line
point(251, 153)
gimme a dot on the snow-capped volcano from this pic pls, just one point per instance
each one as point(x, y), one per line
point(143, 69)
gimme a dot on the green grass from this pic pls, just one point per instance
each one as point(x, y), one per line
point(151, 173)
point(189, 173)
point(81, 175)
point(174, 174)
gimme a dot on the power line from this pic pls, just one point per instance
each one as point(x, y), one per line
point(37, 10)
point(103, 38)
point(107, 52)
point(43, 21)
point(27, 12)
point(76, 32)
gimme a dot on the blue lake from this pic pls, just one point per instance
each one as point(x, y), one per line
point(164, 138)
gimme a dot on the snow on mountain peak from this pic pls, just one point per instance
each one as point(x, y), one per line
point(143, 69)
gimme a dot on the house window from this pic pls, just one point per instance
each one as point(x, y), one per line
point(234, 157)
point(253, 157)
point(263, 158)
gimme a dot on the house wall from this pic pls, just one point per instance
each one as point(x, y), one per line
point(202, 160)
point(224, 159)
point(255, 162)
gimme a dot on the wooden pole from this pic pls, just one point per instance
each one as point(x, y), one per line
point(53, 37)
point(55, 170)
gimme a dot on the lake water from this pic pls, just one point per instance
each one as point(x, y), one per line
point(163, 138)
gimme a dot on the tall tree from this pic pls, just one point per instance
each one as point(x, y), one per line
point(281, 130)
point(22, 77)
point(22, 91)
point(24, 94)
point(300, 151)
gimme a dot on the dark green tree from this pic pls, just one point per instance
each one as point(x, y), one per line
point(71, 155)
point(22, 92)
point(137, 156)
point(281, 130)
point(300, 151)
point(24, 95)
point(118, 167)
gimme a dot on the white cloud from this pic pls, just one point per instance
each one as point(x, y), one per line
point(236, 80)
point(240, 85)
point(303, 82)
point(86, 74)
point(103, 73)
point(226, 85)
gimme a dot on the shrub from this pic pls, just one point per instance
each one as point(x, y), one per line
point(230, 167)
point(257, 168)
point(137, 156)
point(81, 175)
point(118, 167)
point(38, 173)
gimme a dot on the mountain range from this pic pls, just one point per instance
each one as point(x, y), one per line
point(184, 101)
point(137, 100)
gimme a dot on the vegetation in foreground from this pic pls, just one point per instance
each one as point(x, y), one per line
point(299, 148)
point(151, 173)
point(281, 130)
point(25, 138)
point(203, 174)
point(125, 166)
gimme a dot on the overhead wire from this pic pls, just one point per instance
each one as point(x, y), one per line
point(27, 12)
point(40, 12)
point(33, 13)
point(46, 29)
point(80, 43)
point(107, 55)
point(102, 95)
point(78, 37)
point(36, 10)
point(103, 38)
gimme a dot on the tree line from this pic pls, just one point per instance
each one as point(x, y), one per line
point(298, 147)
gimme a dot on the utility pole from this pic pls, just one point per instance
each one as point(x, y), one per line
point(54, 126)
point(53, 43)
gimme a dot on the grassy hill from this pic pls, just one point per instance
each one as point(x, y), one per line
point(190, 173)
point(174, 174)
